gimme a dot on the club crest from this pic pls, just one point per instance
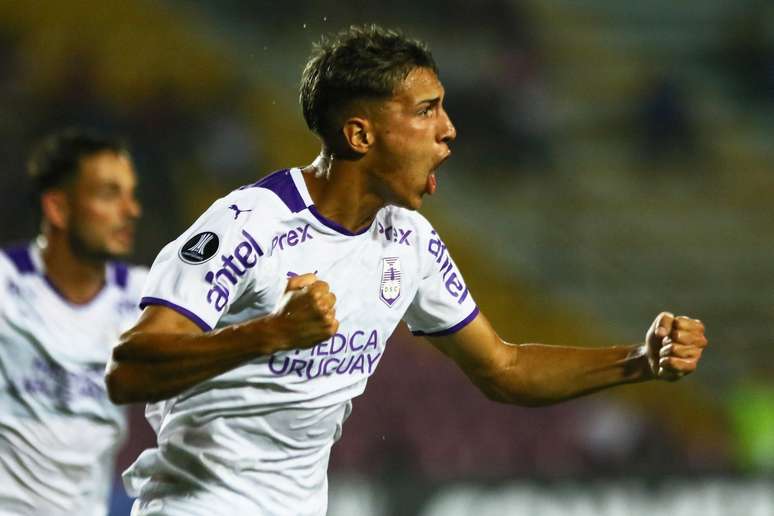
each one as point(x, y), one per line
point(389, 288)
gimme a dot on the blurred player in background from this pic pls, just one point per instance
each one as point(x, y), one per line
point(64, 298)
point(267, 316)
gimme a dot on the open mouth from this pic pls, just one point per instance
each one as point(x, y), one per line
point(432, 182)
point(125, 234)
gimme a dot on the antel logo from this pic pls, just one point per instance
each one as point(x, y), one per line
point(246, 254)
point(199, 248)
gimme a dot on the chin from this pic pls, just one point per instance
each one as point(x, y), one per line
point(409, 201)
point(117, 250)
point(121, 252)
point(410, 204)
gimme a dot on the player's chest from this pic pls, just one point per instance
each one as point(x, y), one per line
point(34, 313)
point(54, 356)
point(370, 275)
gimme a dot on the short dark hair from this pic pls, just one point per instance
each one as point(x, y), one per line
point(55, 160)
point(365, 61)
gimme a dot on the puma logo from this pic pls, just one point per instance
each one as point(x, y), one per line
point(237, 211)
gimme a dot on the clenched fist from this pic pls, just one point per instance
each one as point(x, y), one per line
point(674, 345)
point(307, 317)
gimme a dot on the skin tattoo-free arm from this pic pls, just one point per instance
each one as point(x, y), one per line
point(538, 374)
point(165, 353)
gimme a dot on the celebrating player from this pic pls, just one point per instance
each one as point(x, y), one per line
point(267, 316)
point(63, 300)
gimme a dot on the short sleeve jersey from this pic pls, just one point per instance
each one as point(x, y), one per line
point(232, 265)
point(59, 432)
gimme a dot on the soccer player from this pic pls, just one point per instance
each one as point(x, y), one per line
point(266, 317)
point(64, 298)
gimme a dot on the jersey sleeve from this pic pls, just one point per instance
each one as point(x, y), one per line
point(217, 264)
point(443, 304)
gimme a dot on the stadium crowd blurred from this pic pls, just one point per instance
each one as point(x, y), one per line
point(558, 108)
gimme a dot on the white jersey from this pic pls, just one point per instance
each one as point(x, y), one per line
point(256, 439)
point(59, 432)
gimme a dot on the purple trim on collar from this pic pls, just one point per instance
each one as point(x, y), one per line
point(121, 274)
point(20, 256)
point(454, 329)
point(281, 183)
point(145, 301)
point(335, 225)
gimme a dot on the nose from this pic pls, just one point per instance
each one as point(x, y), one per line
point(132, 207)
point(448, 132)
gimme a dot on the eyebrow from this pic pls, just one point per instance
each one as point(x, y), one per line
point(109, 185)
point(432, 101)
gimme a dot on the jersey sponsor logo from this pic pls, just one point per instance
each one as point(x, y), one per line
point(395, 234)
point(343, 354)
point(63, 387)
point(389, 287)
point(292, 238)
point(245, 254)
point(451, 277)
point(199, 248)
point(237, 211)
point(127, 306)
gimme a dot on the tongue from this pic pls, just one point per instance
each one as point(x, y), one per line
point(431, 184)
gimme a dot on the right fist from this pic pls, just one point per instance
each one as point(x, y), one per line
point(308, 316)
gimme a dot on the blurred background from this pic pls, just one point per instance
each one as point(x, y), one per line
point(614, 159)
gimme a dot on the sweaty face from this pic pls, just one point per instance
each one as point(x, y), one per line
point(412, 132)
point(103, 207)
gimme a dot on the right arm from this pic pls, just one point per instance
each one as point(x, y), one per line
point(166, 353)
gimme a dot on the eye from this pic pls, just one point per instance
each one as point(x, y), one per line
point(108, 192)
point(426, 111)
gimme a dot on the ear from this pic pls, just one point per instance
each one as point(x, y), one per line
point(358, 134)
point(56, 208)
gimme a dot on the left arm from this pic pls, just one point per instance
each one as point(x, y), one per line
point(538, 374)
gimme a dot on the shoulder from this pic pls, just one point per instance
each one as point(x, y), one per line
point(16, 260)
point(264, 203)
point(408, 225)
point(276, 191)
point(17, 265)
point(408, 217)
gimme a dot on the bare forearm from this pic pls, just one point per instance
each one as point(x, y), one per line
point(166, 353)
point(148, 367)
point(538, 374)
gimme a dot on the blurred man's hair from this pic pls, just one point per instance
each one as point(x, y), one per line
point(56, 160)
point(361, 62)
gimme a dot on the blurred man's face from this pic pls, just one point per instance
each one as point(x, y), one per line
point(103, 207)
point(412, 132)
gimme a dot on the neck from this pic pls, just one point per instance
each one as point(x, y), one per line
point(78, 280)
point(344, 195)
